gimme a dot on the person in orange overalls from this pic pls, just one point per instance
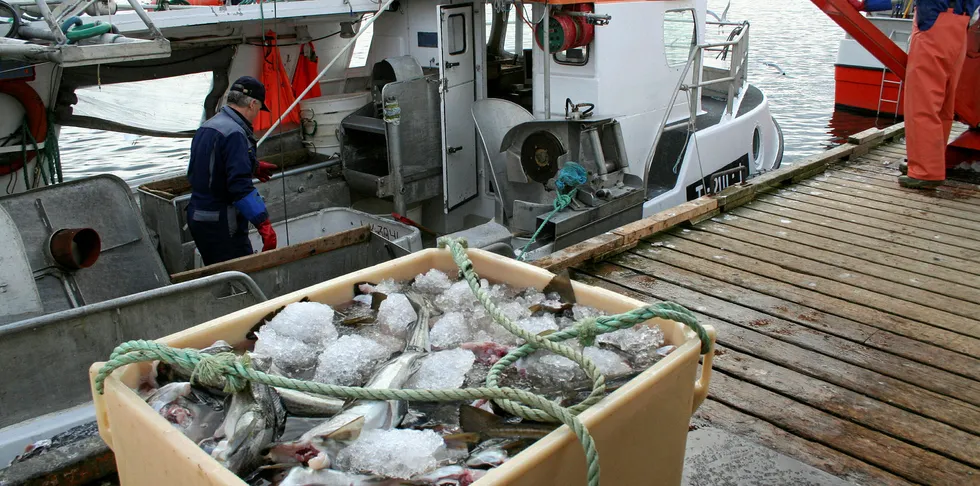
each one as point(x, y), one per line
point(937, 50)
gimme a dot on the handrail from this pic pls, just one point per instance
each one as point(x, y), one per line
point(735, 79)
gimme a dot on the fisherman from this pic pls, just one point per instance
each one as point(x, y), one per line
point(937, 50)
point(222, 162)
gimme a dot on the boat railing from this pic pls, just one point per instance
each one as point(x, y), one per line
point(734, 55)
point(734, 51)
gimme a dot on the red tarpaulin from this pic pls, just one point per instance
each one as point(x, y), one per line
point(306, 71)
point(278, 90)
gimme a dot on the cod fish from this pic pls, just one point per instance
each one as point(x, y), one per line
point(192, 410)
point(490, 426)
point(318, 447)
point(255, 419)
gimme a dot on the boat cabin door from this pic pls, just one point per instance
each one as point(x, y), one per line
point(457, 61)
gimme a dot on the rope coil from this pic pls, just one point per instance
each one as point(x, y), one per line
point(233, 373)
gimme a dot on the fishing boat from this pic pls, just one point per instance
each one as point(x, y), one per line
point(441, 131)
point(862, 83)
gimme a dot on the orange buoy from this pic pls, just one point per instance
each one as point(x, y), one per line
point(37, 120)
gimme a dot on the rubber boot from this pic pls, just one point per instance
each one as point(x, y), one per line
point(913, 183)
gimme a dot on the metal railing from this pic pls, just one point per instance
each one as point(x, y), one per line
point(734, 51)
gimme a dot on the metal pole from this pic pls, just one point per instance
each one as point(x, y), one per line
point(546, 46)
point(316, 80)
point(519, 33)
point(49, 18)
point(145, 18)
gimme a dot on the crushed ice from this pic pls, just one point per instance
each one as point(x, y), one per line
point(397, 453)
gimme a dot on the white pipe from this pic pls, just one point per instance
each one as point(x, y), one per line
point(546, 46)
point(316, 80)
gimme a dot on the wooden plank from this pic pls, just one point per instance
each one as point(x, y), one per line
point(848, 348)
point(278, 256)
point(755, 249)
point(890, 242)
point(831, 305)
point(894, 220)
point(928, 239)
point(822, 285)
point(926, 433)
point(931, 206)
point(870, 135)
point(944, 192)
point(891, 188)
point(741, 193)
point(589, 249)
point(666, 219)
point(958, 223)
point(625, 237)
point(871, 446)
point(941, 280)
point(815, 454)
point(956, 415)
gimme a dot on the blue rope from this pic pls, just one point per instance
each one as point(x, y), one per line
point(570, 177)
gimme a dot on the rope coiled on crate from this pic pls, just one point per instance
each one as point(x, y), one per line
point(233, 373)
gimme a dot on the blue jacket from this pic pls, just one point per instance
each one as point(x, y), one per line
point(220, 172)
point(927, 11)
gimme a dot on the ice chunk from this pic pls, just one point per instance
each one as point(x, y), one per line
point(537, 325)
point(444, 369)
point(389, 286)
point(349, 361)
point(514, 311)
point(457, 297)
point(640, 342)
point(432, 282)
point(397, 453)
point(546, 369)
point(291, 356)
point(449, 331)
point(310, 322)
point(364, 299)
point(580, 312)
point(635, 339)
point(609, 363)
point(396, 313)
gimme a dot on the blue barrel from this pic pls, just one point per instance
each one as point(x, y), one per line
point(877, 5)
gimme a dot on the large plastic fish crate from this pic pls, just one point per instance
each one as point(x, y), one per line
point(640, 430)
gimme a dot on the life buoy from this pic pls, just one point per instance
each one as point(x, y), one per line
point(37, 120)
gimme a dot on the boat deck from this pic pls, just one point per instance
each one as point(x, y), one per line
point(848, 318)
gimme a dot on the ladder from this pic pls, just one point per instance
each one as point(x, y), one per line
point(881, 94)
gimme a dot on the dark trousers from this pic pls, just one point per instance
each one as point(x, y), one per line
point(216, 243)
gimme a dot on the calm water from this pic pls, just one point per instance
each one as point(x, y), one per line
point(799, 40)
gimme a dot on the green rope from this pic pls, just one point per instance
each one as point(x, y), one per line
point(233, 373)
point(570, 177)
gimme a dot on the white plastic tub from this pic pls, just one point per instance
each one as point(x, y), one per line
point(640, 430)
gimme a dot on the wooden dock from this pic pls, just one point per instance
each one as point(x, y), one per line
point(847, 310)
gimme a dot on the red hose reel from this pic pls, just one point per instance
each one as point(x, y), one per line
point(566, 30)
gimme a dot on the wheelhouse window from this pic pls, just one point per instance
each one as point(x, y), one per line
point(457, 34)
point(680, 36)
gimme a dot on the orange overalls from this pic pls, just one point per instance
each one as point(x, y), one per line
point(935, 61)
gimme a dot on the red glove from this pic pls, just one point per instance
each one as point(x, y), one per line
point(265, 170)
point(268, 235)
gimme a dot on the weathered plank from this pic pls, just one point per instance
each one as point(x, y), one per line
point(926, 433)
point(874, 447)
point(949, 257)
point(891, 220)
point(589, 249)
point(879, 197)
point(830, 266)
point(882, 320)
point(666, 219)
point(278, 256)
point(821, 285)
point(849, 348)
point(898, 269)
point(815, 454)
point(889, 231)
point(948, 191)
point(950, 411)
point(848, 178)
